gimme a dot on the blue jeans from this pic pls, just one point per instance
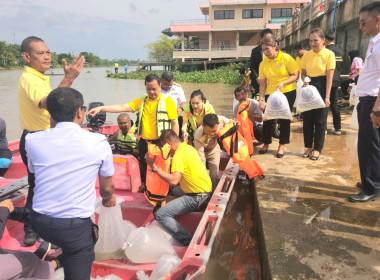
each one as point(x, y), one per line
point(179, 206)
point(75, 237)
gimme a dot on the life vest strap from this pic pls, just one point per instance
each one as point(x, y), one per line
point(154, 197)
point(234, 147)
point(242, 110)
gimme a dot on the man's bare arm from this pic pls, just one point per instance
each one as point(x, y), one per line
point(111, 109)
point(106, 190)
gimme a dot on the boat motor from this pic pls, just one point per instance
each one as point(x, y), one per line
point(98, 120)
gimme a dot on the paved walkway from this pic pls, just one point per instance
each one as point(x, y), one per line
point(310, 229)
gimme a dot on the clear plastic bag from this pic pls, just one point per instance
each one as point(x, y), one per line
point(113, 230)
point(277, 107)
point(353, 99)
point(154, 225)
point(107, 277)
point(308, 99)
point(354, 118)
point(145, 245)
point(164, 265)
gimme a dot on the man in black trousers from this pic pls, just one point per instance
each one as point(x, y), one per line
point(368, 90)
point(329, 43)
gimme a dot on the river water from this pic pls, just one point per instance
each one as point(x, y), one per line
point(94, 86)
point(235, 253)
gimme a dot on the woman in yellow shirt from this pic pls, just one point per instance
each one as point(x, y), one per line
point(319, 65)
point(278, 71)
point(193, 113)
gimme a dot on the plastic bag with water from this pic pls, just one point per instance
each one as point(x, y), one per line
point(277, 107)
point(165, 264)
point(159, 228)
point(113, 231)
point(145, 245)
point(309, 99)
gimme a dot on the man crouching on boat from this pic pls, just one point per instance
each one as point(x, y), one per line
point(189, 171)
point(66, 161)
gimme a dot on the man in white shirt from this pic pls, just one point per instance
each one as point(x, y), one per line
point(66, 161)
point(368, 90)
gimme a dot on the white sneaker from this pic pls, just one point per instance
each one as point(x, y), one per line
point(337, 132)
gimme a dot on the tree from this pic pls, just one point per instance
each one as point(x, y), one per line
point(162, 49)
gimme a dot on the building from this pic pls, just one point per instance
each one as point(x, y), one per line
point(230, 29)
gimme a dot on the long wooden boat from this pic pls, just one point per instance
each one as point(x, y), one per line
point(135, 208)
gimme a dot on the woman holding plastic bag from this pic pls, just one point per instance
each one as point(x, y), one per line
point(319, 65)
point(278, 72)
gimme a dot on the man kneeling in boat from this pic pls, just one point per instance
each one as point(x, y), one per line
point(187, 170)
point(66, 161)
point(125, 138)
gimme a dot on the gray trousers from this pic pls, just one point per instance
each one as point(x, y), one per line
point(23, 265)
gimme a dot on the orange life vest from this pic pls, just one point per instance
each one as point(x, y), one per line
point(236, 146)
point(246, 127)
point(156, 188)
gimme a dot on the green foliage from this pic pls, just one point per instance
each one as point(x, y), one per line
point(225, 76)
point(10, 55)
point(162, 49)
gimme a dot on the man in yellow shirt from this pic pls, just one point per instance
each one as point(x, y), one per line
point(157, 112)
point(33, 89)
point(187, 170)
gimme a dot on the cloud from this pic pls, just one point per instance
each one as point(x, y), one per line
point(153, 11)
point(132, 7)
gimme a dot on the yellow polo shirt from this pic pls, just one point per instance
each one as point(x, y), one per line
point(199, 117)
point(32, 87)
point(278, 70)
point(149, 117)
point(194, 177)
point(299, 61)
point(316, 64)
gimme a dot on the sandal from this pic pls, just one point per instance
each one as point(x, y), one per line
point(307, 154)
point(312, 157)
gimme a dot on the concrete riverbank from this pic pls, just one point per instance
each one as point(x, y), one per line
point(309, 229)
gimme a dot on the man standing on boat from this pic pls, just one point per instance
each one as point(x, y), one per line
point(156, 113)
point(189, 172)
point(66, 161)
point(33, 89)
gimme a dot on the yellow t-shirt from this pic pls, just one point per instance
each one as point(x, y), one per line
point(316, 64)
point(299, 61)
point(199, 117)
point(149, 117)
point(32, 87)
point(194, 177)
point(278, 70)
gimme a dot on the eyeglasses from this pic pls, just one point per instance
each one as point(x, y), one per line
point(363, 22)
point(84, 108)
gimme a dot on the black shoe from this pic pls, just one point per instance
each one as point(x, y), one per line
point(261, 152)
point(43, 250)
point(363, 197)
point(30, 238)
point(359, 185)
point(280, 155)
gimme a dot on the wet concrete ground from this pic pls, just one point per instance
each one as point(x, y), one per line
point(310, 230)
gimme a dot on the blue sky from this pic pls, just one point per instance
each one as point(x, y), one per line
point(108, 28)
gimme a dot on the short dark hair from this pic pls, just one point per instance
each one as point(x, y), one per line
point(243, 70)
point(319, 32)
point(123, 115)
point(63, 103)
point(210, 120)
point(330, 35)
point(352, 54)
point(152, 77)
point(169, 135)
point(167, 76)
point(25, 45)
point(265, 31)
point(239, 89)
point(372, 8)
point(299, 47)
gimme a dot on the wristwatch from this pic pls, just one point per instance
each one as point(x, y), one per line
point(376, 113)
point(154, 169)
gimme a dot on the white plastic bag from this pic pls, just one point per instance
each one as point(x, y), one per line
point(140, 275)
point(309, 99)
point(164, 265)
point(107, 277)
point(154, 225)
point(145, 245)
point(354, 118)
point(353, 99)
point(277, 107)
point(113, 230)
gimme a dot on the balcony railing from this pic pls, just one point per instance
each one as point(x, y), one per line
point(189, 21)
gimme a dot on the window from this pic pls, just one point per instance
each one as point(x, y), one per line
point(224, 14)
point(280, 13)
point(254, 13)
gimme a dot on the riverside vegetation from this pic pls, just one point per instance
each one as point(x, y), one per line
point(226, 74)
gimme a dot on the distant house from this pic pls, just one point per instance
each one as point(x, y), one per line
point(231, 28)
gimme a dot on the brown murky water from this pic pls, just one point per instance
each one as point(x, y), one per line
point(235, 254)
